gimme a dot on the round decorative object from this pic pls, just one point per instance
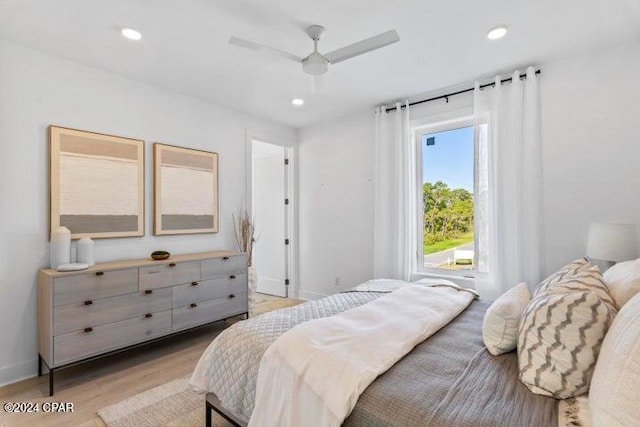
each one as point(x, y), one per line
point(160, 255)
point(73, 267)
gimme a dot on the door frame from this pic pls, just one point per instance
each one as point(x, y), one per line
point(291, 152)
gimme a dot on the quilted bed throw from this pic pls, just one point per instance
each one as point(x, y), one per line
point(316, 371)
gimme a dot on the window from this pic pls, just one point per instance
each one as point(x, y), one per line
point(446, 157)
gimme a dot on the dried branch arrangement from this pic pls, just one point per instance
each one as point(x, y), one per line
point(244, 229)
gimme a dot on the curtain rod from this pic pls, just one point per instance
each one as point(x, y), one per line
point(446, 96)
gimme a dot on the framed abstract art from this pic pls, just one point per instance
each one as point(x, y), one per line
point(96, 183)
point(185, 190)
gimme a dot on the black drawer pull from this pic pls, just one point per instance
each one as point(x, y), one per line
point(233, 276)
point(88, 302)
point(87, 330)
point(99, 273)
point(148, 315)
point(194, 283)
point(173, 264)
point(232, 296)
point(225, 258)
point(193, 305)
point(148, 292)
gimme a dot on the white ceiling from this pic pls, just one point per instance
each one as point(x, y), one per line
point(442, 43)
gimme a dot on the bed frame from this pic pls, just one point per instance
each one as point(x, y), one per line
point(214, 404)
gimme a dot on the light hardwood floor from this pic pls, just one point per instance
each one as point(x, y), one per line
point(100, 383)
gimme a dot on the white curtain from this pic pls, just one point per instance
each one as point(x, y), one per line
point(508, 194)
point(395, 234)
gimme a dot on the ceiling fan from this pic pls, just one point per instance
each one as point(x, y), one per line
point(317, 63)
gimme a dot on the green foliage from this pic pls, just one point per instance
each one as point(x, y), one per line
point(448, 213)
point(443, 245)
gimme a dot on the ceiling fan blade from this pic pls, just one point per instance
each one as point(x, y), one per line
point(363, 46)
point(260, 48)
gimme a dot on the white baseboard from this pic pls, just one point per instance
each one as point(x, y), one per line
point(310, 295)
point(18, 372)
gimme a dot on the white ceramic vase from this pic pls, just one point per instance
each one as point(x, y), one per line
point(60, 247)
point(252, 281)
point(85, 251)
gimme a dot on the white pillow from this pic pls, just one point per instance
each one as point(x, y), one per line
point(614, 396)
point(435, 281)
point(623, 281)
point(502, 319)
point(438, 282)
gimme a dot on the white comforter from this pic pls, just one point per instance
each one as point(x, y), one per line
point(316, 371)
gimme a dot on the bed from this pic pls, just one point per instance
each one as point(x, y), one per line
point(448, 380)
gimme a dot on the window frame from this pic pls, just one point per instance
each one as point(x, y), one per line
point(419, 128)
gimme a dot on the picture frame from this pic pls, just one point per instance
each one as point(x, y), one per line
point(96, 183)
point(185, 190)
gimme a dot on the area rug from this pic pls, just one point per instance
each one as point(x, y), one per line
point(170, 405)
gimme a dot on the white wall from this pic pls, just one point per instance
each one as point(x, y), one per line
point(38, 89)
point(591, 154)
point(591, 144)
point(335, 205)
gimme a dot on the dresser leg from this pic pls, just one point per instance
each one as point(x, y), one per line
point(39, 365)
point(50, 382)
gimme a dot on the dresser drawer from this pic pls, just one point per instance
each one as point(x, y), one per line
point(209, 289)
point(223, 266)
point(99, 284)
point(80, 344)
point(91, 313)
point(208, 311)
point(169, 274)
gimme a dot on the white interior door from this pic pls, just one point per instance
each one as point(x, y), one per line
point(269, 187)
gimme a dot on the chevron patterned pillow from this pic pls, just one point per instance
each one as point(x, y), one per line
point(561, 333)
point(568, 270)
point(584, 279)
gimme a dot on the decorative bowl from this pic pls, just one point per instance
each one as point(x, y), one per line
point(160, 255)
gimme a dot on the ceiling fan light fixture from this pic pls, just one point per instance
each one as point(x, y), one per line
point(315, 64)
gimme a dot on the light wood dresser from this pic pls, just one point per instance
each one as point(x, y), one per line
point(113, 306)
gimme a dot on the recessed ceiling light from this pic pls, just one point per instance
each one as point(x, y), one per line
point(131, 34)
point(297, 102)
point(497, 33)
